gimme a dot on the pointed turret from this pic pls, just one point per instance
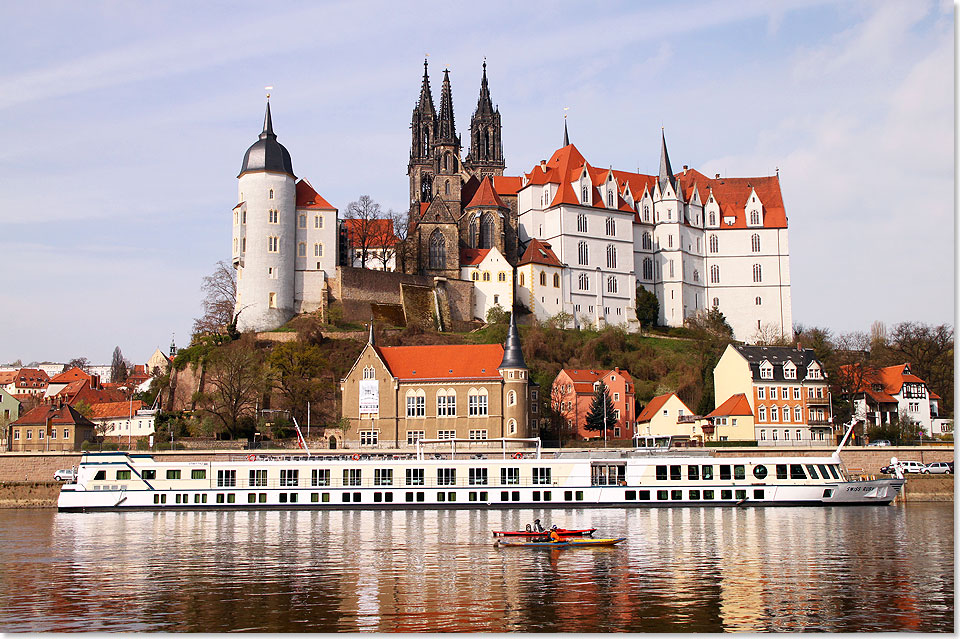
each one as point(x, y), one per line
point(666, 173)
point(486, 146)
point(371, 340)
point(512, 353)
point(425, 102)
point(566, 136)
point(446, 130)
point(266, 154)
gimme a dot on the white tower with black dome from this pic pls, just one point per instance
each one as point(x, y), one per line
point(264, 235)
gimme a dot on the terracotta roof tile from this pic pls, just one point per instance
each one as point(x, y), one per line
point(653, 407)
point(308, 198)
point(468, 361)
point(507, 185)
point(486, 195)
point(71, 375)
point(472, 256)
point(734, 405)
point(378, 231)
point(110, 410)
point(539, 253)
point(57, 415)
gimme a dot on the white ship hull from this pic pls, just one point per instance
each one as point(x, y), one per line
point(117, 481)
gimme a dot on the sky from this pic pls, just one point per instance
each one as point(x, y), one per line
point(125, 125)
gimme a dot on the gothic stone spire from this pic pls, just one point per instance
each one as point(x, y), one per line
point(666, 173)
point(446, 130)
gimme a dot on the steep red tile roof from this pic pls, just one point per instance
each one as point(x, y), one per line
point(31, 378)
point(58, 415)
point(507, 185)
point(539, 253)
point(566, 165)
point(933, 395)
point(469, 361)
point(71, 375)
point(308, 198)
point(735, 405)
point(472, 256)
point(653, 407)
point(486, 196)
point(891, 378)
point(112, 410)
point(7, 377)
point(379, 232)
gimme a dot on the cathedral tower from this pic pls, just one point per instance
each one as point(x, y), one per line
point(423, 128)
point(264, 234)
point(486, 146)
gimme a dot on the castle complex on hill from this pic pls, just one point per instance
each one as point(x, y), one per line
point(565, 237)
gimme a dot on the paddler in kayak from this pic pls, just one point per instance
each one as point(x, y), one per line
point(555, 536)
point(537, 527)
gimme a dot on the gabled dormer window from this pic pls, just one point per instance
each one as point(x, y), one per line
point(789, 371)
point(813, 372)
point(766, 370)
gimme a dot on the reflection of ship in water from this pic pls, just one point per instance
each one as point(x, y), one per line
point(681, 569)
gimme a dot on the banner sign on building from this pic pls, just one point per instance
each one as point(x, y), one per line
point(369, 396)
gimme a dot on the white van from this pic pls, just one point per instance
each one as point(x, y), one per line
point(907, 466)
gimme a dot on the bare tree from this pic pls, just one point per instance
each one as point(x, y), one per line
point(219, 299)
point(929, 351)
point(236, 379)
point(385, 242)
point(361, 227)
point(118, 367)
point(79, 362)
point(849, 365)
point(769, 335)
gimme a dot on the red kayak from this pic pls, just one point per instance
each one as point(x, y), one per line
point(563, 532)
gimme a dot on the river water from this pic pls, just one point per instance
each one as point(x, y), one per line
point(681, 569)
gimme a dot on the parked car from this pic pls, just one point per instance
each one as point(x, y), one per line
point(66, 474)
point(909, 466)
point(887, 470)
point(942, 468)
point(880, 442)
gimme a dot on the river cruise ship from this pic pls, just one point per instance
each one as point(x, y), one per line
point(464, 479)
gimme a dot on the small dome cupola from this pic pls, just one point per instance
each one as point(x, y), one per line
point(266, 154)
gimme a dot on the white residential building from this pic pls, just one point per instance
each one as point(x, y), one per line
point(694, 241)
point(492, 277)
point(540, 280)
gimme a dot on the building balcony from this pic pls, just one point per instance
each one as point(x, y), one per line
point(818, 401)
point(819, 422)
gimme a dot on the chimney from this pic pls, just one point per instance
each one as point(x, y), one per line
point(685, 167)
point(543, 165)
point(718, 176)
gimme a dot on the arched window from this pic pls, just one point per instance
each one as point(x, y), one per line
point(512, 426)
point(714, 274)
point(583, 253)
point(520, 279)
point(696, 275)
point(369, 372)
point(438, 250)
point(763, 415)
point(543, 278)
point(446, 187)
point(755, 243)
point(713, 218)
point(716, 302)
point(556, 280)
point(501, 277)
point(610, 198)
point(477, 402)
point(486, 276)
point(774, 414)
point(512, 398)
point(758, 301)
point(611, 226)
point(584, 282)
point(425, 143)
point(646, 213)
point(486, 231)
point(271, 194)
point(755, 217)
point(581, 223)
point(426, 188)
point(475, 276)
point(474, 235)
point(714, 244)
point(647, 268)
point(757, 273)
point(302, 249)
point(611, 284)
point(611, 256)
point(303, 221)
point(647, 241)
point(585, 194)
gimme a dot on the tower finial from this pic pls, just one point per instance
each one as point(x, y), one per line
point(267, 124)
point(370, 338)
point(512, 353)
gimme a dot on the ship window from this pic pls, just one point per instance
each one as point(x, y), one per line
point(662, 495)
point(708, 494)
point(758, 493)
point(674, 473)
point(781, 470)
point(661, 473)
point(676, 494)
point(796, 472)
point(726, 494)
point(695, 495)
point(741, 494)
point(509, 476)
point(724, 471)
point(172, 474)
point(760, 471)
point(812, 472)
point(644, 495)
point(707, 473)
point(738, 472)
point(414, 477)
point(252, 498)
point(149, 474)
point(833, 471)
point(693, 472)
point(823, 471)
point(123, 474)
